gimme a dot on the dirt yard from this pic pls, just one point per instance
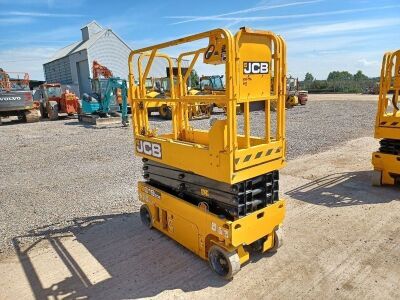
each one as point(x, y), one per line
point(80, 236)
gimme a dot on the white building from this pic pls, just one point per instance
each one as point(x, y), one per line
point(72, 65)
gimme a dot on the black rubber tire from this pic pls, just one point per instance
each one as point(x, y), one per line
point(258, 245)
point(225, 264)
point(165, 112)
point(145, 216)
point(43, 111)
point(278, 240)
point(53, 111)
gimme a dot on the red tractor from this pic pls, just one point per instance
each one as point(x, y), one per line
point(53, 101)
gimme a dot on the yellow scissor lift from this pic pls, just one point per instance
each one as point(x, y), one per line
point(216, 191)
point(386, 161)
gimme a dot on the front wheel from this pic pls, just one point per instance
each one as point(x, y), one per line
point(52, 111)
point(225, 264)
point(43, 111)
point(145, 216)
point(278, 240)
point(165, 112)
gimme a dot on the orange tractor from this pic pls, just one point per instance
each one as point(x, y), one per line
point(54, 101)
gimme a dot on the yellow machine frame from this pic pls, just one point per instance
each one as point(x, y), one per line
point(221, 153)
point(387, 124)
point(197, 229)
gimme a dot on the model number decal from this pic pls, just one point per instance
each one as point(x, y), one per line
point(152, 192)
point(219, 230)
point(255, 67)
point(149, 148)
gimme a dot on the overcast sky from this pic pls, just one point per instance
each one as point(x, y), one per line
point(322, 36)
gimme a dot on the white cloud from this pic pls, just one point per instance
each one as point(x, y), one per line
point(38, 14)
point(15, 21)
point(341, 27)
point(243, 11)
point(62, 35)
point(48, 3)
point(321, 64)
point(367, 63)
point(283, 17)
point(27, 59)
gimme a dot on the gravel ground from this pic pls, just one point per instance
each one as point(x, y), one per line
point(53, 172)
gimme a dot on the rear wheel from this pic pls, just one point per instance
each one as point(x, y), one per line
point(165, 112)
point(145, 216)
point(32, 115)
point(278, 240)
point(376, 179)
point(225, 264)
point(52, 111)
point(43, 111)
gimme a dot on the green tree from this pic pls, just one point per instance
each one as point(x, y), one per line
point(339, 76)
point(309, 77)
point(359, 76)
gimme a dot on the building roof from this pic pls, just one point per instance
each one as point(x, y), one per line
point(82, 45)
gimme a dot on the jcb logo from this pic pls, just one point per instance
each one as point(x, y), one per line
point(255, 68)
point(148, 148)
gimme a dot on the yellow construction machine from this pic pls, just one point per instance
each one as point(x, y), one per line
point(161, 88)
point(216, 191)
point(386, 161)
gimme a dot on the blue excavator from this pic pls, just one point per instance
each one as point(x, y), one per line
point(109, 97)
point(104, 99)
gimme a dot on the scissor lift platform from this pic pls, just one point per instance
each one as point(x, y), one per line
point(215, 191)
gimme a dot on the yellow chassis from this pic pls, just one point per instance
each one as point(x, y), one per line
point(386, 164)
point(197, 229)
point(387, 123)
